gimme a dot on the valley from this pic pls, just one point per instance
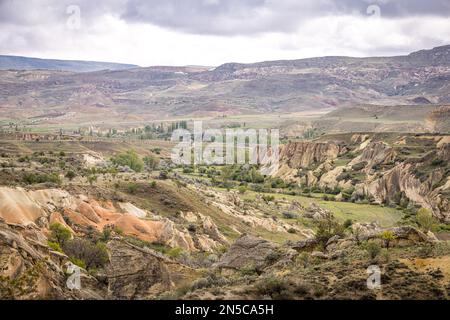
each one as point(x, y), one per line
point(363, 179)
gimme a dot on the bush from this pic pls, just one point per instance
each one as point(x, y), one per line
point(130, 159)
point(92, 179)
point(387, 236)
point(268, 198)
point(437, 162)
point(132, 188)
point(248, 270)
point(78, 262)
point(425, 219)
point(59, 233)
point(151, 162)
point(93, 255)
point(327, 228)
point(242, 189)
point(54, 246)
point(32, 178)
point(175, 252)
point(348, 223)
point(188, 170)
point(373, 249)
point(278, 289)
point(106, 234)
point(70, 175)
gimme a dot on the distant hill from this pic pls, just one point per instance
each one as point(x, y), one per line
point(421, 78)
point(25, 63)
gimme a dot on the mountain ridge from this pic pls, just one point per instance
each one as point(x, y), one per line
point(147, 93)
point(12, 62)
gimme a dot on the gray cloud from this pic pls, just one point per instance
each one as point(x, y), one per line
point(397, 8)
point(213, 17)
point(234, 17)
point(268, 28)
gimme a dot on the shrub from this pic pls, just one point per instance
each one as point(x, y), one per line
point(425, 219)
point(188, 170)
point(437, 162)
point(348, 223)
point(70, 175)
point(132, 188)
point(130, 159)
point(387, 236)
point(373, 249)
point(92, 179)
point(151, 162)
point(278, 289)
point(106, 234)
point(175, 252)
point(78, 262)
point(242, 189)
point(59, 233)
point(273, 257)
point(268, 198)
point(327, 228)
point(248, 270)
point(54, 246)
point(32, 178)
point(93, 255)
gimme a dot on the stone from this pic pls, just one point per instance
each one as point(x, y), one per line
point(247, 250)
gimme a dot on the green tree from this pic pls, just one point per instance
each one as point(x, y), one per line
point(151, 162)
point(387, 237)
point(59, 233)
point(425, 219)
point(130, 159)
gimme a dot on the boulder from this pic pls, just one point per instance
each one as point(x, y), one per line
point(316, 212)
point(247, 250)
point(305, 245)
point(135, 273)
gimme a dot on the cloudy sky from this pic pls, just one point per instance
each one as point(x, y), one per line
point(211, 32)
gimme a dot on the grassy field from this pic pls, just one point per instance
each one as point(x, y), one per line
point(384, 216)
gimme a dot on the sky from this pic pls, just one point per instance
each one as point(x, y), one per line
point(213, 32)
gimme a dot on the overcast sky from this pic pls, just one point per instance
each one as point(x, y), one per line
point(212, 32)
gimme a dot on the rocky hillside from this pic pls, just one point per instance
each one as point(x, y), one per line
point(406, 170)
point(285, 86)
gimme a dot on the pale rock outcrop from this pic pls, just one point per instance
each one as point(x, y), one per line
point(374, 154)
point(247, 251)
point(315, 212)
point(30, 270)
point(41, 208)
point(401, 180)
point(304, 154)
point(132, 209)
point(135, 273)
